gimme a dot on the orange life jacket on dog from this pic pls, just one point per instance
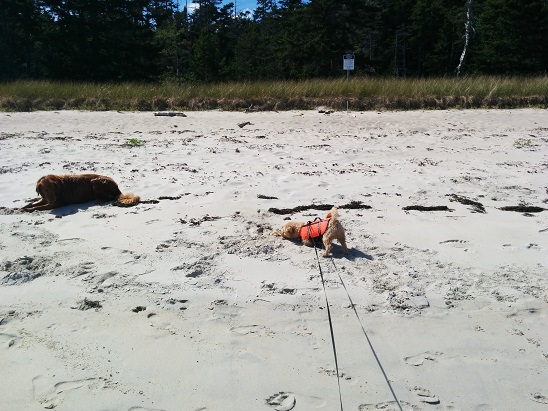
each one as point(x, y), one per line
point(314, 229)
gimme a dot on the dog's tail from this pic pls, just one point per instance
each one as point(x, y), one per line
point(334, 213)
point(127, 200)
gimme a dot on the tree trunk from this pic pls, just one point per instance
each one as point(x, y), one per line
point(468, 34)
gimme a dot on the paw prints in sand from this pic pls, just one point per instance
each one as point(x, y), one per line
point(24, 269)
point(423, 358)
point(286, 401)
point(271, 288)
point(282, 401)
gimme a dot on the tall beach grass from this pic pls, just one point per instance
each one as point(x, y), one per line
point(356, 94)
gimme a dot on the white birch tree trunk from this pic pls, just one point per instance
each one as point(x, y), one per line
point(468, 34)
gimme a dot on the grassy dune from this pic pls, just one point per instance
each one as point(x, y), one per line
point(356, 94)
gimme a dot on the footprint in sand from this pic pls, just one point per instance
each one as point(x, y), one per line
point(388, 406)
point(420, 359)
point(84, 268)
point(252, 330)
point(342, 375)
point(538, 397)
point(285, 401)
point(456, 243)
point(426, 396)
point(51, 397)
point(7, 339)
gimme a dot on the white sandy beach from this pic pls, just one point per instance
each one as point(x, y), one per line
point(189, 303)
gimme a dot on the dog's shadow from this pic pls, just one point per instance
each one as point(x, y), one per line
point(70, 209)
point(354, 253)
point(337, 253)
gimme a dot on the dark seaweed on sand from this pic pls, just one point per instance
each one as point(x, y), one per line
point(426, 208)
point(476, 206)
point(353, 205)
point(523, 209)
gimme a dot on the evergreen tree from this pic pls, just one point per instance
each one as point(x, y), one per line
point(436, 36)
point(204, 62)
point(121, 40)
point(512, 37)
point(245, 62)
point(291, 41)
point(21, 25)
point(394, 36)
point(171, 39)
point(100, 40)
point(268, 23)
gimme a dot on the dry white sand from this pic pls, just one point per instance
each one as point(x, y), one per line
point(189, 302)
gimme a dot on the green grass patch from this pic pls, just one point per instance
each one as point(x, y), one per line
point(135, 142)
point(357, 94)
point(524, 143)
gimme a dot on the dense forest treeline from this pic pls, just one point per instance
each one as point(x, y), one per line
point(151, 40)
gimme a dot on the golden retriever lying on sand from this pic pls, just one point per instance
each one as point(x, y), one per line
point(59, 190)
point(329, 229)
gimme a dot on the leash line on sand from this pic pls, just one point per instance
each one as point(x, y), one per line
point(330, 322)
point(359, 320)
point(365, 333)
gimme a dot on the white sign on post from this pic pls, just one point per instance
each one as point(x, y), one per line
point(348, 62)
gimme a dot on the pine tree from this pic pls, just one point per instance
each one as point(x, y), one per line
point(512, 37)
point(436, 36)
point(21, 26)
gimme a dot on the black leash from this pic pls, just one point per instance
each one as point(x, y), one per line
point(328, 314)
point(366, 336)
point(357, 316)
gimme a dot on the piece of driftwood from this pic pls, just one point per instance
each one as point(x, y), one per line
point(245, 123)
point(354, 205)
point(523, 209)
point(477, 207)
point(263, 197)
point(427, 208)
point(170, 114)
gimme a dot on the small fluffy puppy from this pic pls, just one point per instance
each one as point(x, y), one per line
point(329, 229)
point(59, 190)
